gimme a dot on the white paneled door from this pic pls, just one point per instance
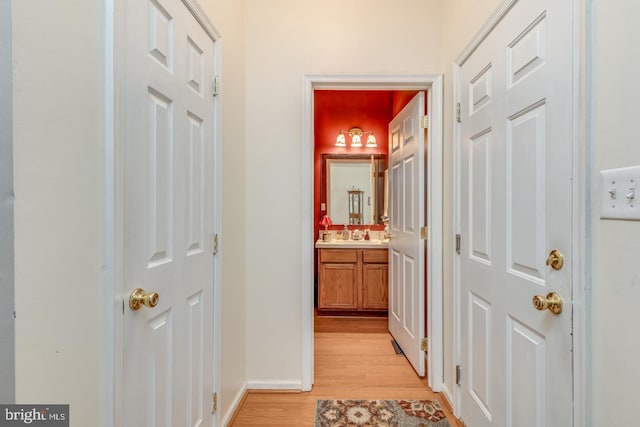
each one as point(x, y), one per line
point(167, 146)
point(406, 216)
point(516, 209)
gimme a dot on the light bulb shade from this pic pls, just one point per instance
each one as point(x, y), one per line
point(371, 141)
point(356, 141)
point(341, 141)
point(326, 221)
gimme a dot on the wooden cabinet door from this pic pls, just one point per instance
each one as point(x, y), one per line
point(375, 286)
point(339, 285)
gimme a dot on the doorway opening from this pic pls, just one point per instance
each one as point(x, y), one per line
point(311, 210)
point(349, 192)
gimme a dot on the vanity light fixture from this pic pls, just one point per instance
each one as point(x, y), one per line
point(356, 138)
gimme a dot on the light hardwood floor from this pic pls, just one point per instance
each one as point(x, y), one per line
point(354, 359)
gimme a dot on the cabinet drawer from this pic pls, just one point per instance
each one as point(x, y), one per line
point(338, 255)
point(377, 256)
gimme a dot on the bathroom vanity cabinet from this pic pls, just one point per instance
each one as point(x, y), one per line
point(353, 281)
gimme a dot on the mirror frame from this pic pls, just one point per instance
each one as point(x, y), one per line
point(379, 190)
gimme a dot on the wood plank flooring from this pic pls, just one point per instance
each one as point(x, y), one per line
point(354, 359)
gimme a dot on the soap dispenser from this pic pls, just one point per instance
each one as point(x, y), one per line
point(345, 232)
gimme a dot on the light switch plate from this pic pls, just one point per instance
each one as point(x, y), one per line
point(619, 193)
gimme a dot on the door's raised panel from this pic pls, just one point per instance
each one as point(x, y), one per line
point(480, 197)
point(395, 139)
point(161, 35)
point(195, 67)
point(410, 224)
point(160, 161)
point(409, 129)
point(480, 90)
point(409, 298)
point(196, 184)
point(480, 352)
point(160, 363)
point(526, 375)
point(195, 351)
point(395, 278)
point(396, 196)
point(526, 53)
point(526, 193)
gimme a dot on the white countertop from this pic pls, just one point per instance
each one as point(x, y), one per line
point(353, 244)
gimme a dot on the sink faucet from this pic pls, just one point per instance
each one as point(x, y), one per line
point(385, 221)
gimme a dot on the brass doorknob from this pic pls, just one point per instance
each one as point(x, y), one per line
point(552, 302)
point(555, 259)
point(139, 298)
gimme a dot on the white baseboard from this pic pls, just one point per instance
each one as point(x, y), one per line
point(444, 391)
point(235, 405)
point(274, 385)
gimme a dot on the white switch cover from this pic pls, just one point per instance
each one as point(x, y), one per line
point(620, 193)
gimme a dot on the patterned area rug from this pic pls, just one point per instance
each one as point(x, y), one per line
point(380, 413)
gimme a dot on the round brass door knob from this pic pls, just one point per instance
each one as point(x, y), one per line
point(552, 302)
point(555, 259)
point(139, 298)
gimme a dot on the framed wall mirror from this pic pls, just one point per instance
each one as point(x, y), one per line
point(354, 188)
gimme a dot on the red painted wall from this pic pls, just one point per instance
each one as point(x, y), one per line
point(401, 98)
point(344, 109)
point(341, 109)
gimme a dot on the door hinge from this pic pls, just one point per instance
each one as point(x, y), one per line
point(424, 233)
point(216, 86)
point(458, 244)
point(458, 108)
point(458, 375)
point(424, 345)
point(215, 244)
point(214, 403)
point(424, 122)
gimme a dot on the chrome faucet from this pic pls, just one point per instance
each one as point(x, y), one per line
point(385, 220)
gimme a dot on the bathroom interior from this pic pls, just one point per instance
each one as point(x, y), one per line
point(351, 194)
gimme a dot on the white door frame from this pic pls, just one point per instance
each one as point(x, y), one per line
point(580, 206)
point(115, 44)
point(433, 84)
point(7, 263)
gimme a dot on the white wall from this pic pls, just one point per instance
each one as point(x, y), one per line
point(7, 322)
point(287, 39)
point(229, 18)
point(58, 180)
point(616, 244)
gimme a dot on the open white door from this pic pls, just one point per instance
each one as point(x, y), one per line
point(167, 360)
point(516, 213)
point(406, 217)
